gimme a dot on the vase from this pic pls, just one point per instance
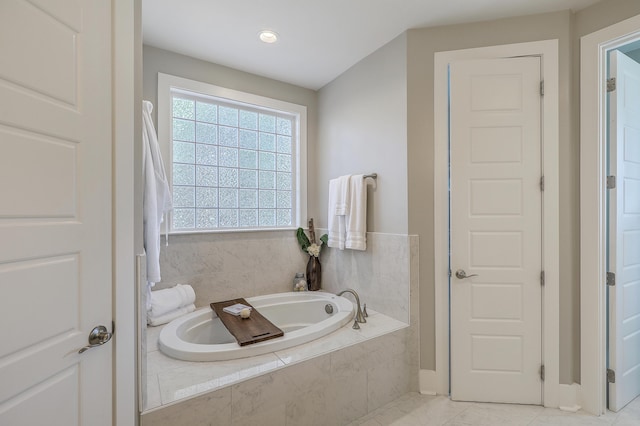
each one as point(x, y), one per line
point(314, 273)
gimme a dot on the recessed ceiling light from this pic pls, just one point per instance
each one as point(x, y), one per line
point(268, 36)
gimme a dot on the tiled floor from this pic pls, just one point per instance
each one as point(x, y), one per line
point(414, 409)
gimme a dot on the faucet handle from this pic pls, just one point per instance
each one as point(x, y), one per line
point(364, 311)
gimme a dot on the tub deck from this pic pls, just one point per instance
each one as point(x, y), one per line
point(169, 380)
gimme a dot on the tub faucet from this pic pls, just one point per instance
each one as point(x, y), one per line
point(359, 316)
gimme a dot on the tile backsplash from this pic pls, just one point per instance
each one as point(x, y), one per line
point(230, 265)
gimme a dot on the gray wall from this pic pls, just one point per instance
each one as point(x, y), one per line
point(378, 117)
point(362, 128)
point(157, 60)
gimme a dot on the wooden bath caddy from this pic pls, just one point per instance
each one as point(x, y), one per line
point(254, 329)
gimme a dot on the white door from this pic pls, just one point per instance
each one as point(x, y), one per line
point(55, 211)
point(624, 230)
point(496, 228)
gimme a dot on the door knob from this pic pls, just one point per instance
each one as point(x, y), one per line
point(98, 337)
point(461, 274)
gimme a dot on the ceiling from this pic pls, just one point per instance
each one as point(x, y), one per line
point(318, 40)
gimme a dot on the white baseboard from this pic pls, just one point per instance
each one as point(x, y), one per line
point(428, 382)
point(569, 397)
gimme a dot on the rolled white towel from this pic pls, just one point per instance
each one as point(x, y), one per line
point(170, 299)
point(169, 316)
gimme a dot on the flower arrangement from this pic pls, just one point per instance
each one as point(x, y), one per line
point(312, 248)
point(309, 245)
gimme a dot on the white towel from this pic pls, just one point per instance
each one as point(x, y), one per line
point(170, 316)
point(157, 197)
point(356, 219)
point(339, 198)
point(170, 299)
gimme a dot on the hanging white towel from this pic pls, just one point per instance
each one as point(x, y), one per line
point(339, 190)
point(356, 219)
point(170, 299)
point(157, 197)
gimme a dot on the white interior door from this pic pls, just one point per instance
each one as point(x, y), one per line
point(624, 230)
point(55, 211)
point(496, 228)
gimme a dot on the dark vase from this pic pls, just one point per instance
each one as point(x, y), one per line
point(314, 274)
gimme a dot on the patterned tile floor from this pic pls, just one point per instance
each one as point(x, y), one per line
point(414, 409)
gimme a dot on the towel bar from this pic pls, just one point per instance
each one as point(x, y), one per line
point(372, 176)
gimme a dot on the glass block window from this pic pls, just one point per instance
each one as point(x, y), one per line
point(233, 164)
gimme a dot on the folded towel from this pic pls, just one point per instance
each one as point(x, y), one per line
point(356, 219)
point(170, 299)
point(169, 316)
point(339, 198)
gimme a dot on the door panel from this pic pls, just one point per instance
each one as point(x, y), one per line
point(55, 217)
point(624, 231)
point(496, 228)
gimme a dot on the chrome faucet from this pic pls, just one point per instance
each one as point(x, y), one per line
point(359, 315)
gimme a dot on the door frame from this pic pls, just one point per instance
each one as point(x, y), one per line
point(548, 51)
point(593, 71)
point(126, 163)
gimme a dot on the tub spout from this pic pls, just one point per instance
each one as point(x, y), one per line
point(359, 315)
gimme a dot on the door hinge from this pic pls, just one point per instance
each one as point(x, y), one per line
point(611, 376)
point(542, 372)
point(611, 84)
point(611, 279)
point(542, 278)
point(542, 88)
point(611, 182)
point(541, 183)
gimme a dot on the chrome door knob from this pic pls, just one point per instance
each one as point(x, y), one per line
point(461, 274)
point(98, 337)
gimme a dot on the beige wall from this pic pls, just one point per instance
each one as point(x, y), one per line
point(422, 44)
point(362, 128)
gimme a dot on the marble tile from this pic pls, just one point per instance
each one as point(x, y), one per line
point(197, 377)
point(336, 340)
point(269, 416)
point(378, 325)
point(213, 408)
point(436, 411)
point(152, 334)
point(380, 274)
point(157, 362)
point(310, 408)
point(347, 395)
point(496, 415)
point(349, 360)
point(386, 381)
point(251, 396)
point(152, 398)
point(553, 416)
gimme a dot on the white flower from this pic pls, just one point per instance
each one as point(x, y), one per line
point(314, 250)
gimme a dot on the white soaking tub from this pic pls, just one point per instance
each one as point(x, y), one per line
point(303, 316)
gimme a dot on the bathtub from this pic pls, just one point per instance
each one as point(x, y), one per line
point(303, 316)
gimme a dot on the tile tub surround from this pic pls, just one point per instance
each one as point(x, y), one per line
point(332, 380)
point(382, 274)
point(223, 266)
point(226, 266)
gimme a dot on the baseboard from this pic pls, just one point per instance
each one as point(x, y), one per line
point(428, 382)
point(569, 397)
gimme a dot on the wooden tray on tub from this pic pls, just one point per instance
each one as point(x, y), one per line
point(254, 329)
